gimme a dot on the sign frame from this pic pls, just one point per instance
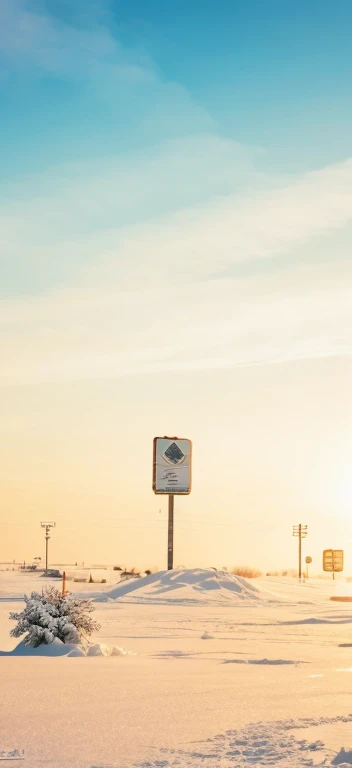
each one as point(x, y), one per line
point(172, 491)
point(333, 560)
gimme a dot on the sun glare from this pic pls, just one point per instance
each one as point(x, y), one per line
point(344, 490)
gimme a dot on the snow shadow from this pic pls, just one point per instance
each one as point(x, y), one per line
point(264, 662)
point(343, 758)
point(58, 649)
point(311, 620)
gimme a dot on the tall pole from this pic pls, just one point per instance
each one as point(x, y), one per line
point(47, 527)
point(300, 552)
point(170, 534)
point(301, 532)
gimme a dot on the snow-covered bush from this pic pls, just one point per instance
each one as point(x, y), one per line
point(51, 615)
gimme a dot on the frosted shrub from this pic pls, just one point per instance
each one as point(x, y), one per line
point(51, 615)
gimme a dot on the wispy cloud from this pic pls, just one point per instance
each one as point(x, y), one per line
point(131, 186)
point(150, 303)
point(33, 38)
point(75, 213)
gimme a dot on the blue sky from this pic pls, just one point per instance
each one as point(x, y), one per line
point(122, 115)
point(175, 255)
point(271, 74)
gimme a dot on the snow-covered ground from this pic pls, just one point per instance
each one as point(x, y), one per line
point(221, 672)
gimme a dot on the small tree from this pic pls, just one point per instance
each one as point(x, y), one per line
point(52, 615)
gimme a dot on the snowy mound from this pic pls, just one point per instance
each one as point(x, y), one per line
point(184, 587)
point(100, 649)
point(58, 648)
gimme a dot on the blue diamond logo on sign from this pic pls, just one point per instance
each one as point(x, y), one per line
point(174, 455)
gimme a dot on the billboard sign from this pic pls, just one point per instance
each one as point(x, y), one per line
point(172, 465)
point(333, 560)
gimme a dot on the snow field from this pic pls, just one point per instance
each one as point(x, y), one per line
point(255, 674)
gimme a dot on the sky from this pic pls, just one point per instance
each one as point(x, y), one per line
point(175, 255)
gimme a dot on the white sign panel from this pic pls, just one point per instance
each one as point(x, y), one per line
point(172, 465)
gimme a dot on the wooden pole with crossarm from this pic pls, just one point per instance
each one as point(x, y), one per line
point(301, 532)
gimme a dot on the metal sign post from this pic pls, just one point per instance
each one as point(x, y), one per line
point(170, 534)
point(308, 562)
point(172, 462)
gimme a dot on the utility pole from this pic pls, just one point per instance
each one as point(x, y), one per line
point(47, 527)
point(301, 532)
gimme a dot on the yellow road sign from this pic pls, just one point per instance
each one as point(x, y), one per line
point(333, 560)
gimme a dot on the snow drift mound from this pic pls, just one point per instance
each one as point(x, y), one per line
point(184, 587)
